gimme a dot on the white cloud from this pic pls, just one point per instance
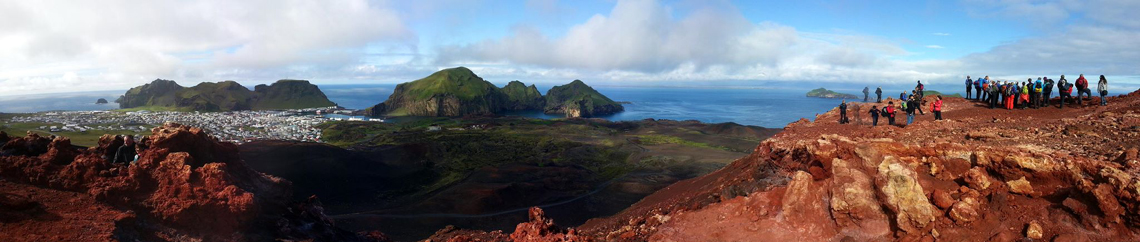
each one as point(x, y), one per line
point(118, 44)
point(941, 34)
point(645, 40)
point(935, 47)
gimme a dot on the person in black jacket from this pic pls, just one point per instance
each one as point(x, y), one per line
point(1046, 92)
point(879, 94)
point(843, 112)
point(866, 92)
point(126, 153)
point(875, 115)
point(911, 106)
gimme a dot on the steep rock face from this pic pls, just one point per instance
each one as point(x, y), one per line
point(156, 93)
point(186, 186)
point(446, 93)
point(579, 100)
point(290, 94)
point(101, 101)
point(522, 97)
point(226, 96)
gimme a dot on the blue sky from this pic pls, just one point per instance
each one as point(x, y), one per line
point(61, 46)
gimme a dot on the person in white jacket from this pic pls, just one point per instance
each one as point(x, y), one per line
point(1102, 88)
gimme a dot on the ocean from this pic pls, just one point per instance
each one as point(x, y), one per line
point(766, 107)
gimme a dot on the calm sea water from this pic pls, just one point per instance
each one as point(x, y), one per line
point(751, 106)
point(772, 108)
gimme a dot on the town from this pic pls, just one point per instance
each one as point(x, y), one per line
point(236, 126)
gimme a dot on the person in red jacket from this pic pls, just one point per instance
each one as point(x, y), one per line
point(1082, 88)
point(937, 107)
point(890, 113)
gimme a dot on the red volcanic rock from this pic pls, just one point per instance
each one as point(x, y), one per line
point(541, 229)
point(186, 186)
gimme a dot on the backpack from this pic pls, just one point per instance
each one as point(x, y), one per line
point(920, 87)
point(884, 111)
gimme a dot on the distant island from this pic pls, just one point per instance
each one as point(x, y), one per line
point(931, 93)
point(224, 96)
point(101, 101)
point(459, 92)
point(824, 93)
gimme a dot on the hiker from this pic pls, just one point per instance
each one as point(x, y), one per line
point(1082, 88)
point(875, 115)
point(1012, 96)
point(866, 91)
point(902, 96)
point(1037, 89)
point(879, 94)
point(918, 100)
point(985, 84)
point(919, 91)
point(937, 107)
point(911, 106)
point(126, 153)
point(1102, 88)
point(1064, 90)
point(843, 112)
point(1048, 91)
point(890, 113)
point(991, 90)
point(969, 85)
point(1025, 94)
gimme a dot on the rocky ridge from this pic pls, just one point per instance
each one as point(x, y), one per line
point(186, 186)
point(981, 175)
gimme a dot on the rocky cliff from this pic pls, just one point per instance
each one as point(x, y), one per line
point(446, 93)
point(579, 100)
point(523, 97)
point(290, 94)
point(980, 175)
point(185, 187)
point(225, 96)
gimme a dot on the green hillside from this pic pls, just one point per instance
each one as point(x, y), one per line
point(522, 97)
point(579, 100)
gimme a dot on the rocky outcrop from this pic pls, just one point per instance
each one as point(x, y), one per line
point(522, 97)
point(225, 96)
point(101, 101)
point(579, 100)
point(185, 186)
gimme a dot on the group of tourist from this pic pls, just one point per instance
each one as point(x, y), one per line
point(910, 104)
point(1004, 94)
point(1032, 94)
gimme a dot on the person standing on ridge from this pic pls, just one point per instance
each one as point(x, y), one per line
point(937, 107)
point(1083, 88)
point(1037, 89)
point(890, 113)
point(902, 96)
point(1048, 91)
point(1102, 89)
point(866, 91)
point(969, 86)
point(990, 101)
point(843, 112)
point(879, 94)
point(1025, 93)
point(875, 115)
point(1064, 90)
point(911, 106)
point(919, 90)
point(985, 84)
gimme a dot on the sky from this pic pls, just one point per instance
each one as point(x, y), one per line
point(52, 46)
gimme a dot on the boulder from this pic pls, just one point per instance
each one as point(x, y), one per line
point(853, 202)
point(1020, 186)
point(905, 196)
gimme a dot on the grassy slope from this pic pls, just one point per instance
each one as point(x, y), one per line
point(606, 150)
point(932, 93)
point(458, 81)
point(516, 91)
point(88, 139)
